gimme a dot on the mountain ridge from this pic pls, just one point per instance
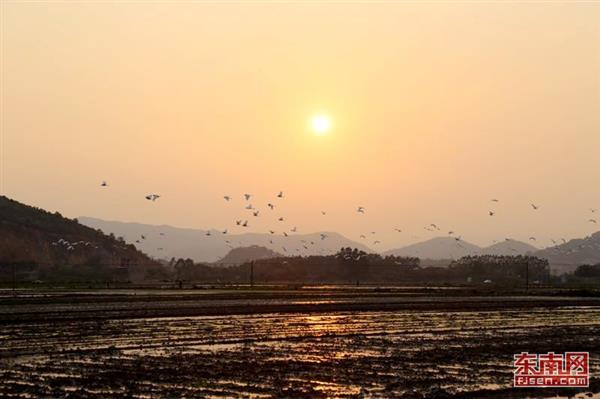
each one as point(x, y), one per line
point(578, 251)
point(197, 245)
point(453, 248)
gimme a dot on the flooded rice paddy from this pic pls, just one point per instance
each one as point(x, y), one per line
point(55, 346)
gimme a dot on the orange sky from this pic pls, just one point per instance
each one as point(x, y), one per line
point(436, 109)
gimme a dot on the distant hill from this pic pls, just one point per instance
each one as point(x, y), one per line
point(53, 245)
point(566, 257)
point(437, 248)
point(449, 248)
point(562, 258)
point(166, 241)
point(509, 247)
point(240, 255)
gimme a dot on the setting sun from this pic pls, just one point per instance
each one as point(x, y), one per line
point(320, 124)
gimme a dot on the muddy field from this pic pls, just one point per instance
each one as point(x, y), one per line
point(284, 344)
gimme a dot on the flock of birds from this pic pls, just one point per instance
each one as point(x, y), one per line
point(306, 244)
point(256, 213)
point(71, 246)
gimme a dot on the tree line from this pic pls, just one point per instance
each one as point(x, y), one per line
point(352, 266)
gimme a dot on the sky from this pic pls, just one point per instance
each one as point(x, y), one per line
point(435, 108)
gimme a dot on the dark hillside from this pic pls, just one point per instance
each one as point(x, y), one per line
point(240, 255)
point(48, 246)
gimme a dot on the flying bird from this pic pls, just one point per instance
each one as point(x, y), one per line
point(285, 234)
point(360, 209)
point(224, 231)
point(398, 230)
point(143, 237)
point(271, 231)
point(294, 229)
point(323, 236)
point(323, 213)
point(495, 200)
point(104, 184)
point(227, 198)
point(532, 239)
point(535, 207)
point(152, 197)
point(362, 236)
point(255, 213)
point(593, 210)
point(593, 221)
point(249, 207)
point(491, 213)
point(208, 233)
point(238, 222)
point(245, 224)
point(247, 196)
point(280, 219)
point(376, 242)
point(280, 195)
point(271, 206)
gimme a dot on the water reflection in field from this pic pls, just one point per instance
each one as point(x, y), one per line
point(345, 354)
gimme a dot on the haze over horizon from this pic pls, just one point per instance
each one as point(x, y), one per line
point(427, 113)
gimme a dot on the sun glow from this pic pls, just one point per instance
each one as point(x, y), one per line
point(321, 124)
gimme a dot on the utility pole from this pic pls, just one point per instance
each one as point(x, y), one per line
point(252, 274)
point(14, 278)
point(527, 276)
